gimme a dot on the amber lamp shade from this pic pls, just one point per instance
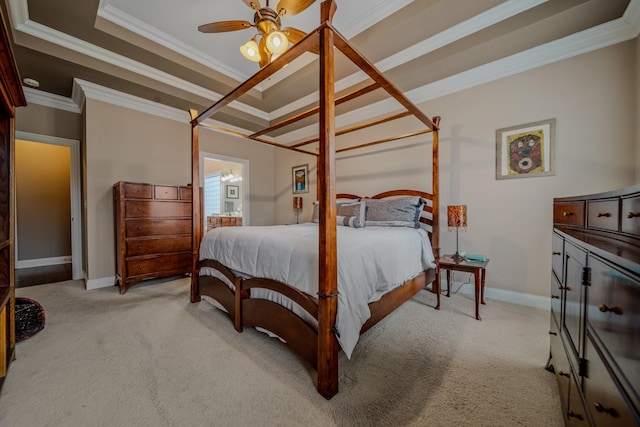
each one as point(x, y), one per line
point(297, 206)
point(457, 217)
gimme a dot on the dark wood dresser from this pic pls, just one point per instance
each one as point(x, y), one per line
point(595, 307)
point(11, 96)
point(153, 230)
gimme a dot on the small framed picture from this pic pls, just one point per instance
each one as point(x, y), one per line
point(526, 150)
point(232, 192)
point(300, 179)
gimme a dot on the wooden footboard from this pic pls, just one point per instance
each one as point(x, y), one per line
point(215, 288)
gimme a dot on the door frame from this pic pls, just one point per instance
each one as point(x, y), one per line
point(76, 196)
point(246, 217)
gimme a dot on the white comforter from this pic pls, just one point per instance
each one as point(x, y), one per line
point(371, 262)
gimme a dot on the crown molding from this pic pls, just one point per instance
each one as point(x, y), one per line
point(35, 96)
point(83, 90)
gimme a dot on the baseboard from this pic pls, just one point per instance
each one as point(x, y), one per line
point(519, 298)
point(103, 282)
point(43, 262)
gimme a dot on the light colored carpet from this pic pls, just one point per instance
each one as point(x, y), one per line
point(151, 358)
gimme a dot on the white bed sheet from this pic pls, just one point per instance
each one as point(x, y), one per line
point(371, 262)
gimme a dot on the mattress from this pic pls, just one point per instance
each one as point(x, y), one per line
point(371, 262)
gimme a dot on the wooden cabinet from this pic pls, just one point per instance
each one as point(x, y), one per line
point(153, 228)
point(11, 96)
point(595, 307)
point(214, 221)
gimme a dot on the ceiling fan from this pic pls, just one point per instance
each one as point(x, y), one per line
point(274, 39)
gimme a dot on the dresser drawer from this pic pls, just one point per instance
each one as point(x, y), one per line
point(157, 227)
point(136, 247)
point(561, 366)
point(185, 193)
point(136, 209)
point(630, 218)
point(138, 191)
point(164, 192)
point(159, 264)
point(604, 400)
point(603, 214)
point(612, 313)
point(569, 213)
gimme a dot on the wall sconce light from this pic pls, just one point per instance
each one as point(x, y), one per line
point(297, 206)
point(457, 218)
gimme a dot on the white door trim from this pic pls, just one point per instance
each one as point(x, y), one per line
point(76, 195)
point(246, 217)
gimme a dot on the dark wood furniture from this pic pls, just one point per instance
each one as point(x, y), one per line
point(152, 230)
point(595, 307)
point(320, 346)
point(11, 96)
point(214, 221)
point(479, 270)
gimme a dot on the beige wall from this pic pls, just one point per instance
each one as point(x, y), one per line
point(127, 145)
point(593, 101)
point(43, 120)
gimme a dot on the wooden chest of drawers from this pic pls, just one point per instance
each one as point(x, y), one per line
point(153, 230)
point(595, 307)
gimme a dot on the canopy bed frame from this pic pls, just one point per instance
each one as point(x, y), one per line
point(319, 347)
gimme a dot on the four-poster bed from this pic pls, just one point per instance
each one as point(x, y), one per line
point(317, 343)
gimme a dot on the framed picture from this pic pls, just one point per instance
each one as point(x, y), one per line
point(300, 179)
point(526, 150)
point(232, 192)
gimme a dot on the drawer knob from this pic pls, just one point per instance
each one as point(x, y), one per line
point(605, 214)
point(555, 297)
point(632, 215)
point(568, 214)
point(557, 253)
point(564, 374)
point(574, 415)
point(616, 310)
point(553, 333)
point(564, 288)
point(601, 408)
point(139, 228)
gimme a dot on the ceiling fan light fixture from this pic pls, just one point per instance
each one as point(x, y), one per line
point(250, 50)
point(277, 42)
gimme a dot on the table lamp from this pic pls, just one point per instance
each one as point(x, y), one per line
point(297, 206)
point(457, 217)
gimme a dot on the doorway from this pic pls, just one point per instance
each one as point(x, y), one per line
point(225, 183)
point(48, 234)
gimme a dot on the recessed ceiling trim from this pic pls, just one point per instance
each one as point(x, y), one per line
point(136, 26)
point(61, 39)
point(486, 19)
point(632, 16)
point(585, 41)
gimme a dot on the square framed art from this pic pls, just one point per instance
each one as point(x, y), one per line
point(526, 150)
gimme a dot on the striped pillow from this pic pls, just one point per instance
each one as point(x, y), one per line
point(351, 215)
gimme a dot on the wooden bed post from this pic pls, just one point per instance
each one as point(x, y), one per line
point(435, 190)
point(195, 203)
point(327, 263)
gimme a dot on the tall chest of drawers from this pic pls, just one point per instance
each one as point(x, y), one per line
point(595, 307)
point(153, 231)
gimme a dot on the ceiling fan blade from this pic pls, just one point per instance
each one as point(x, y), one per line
point(294, 35)
point(249, 3)
point(265, 56)
point(224, 26)
point(293, 7)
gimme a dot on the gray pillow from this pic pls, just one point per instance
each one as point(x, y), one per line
point(398, 212)
point(351, 214)
point(316, 208)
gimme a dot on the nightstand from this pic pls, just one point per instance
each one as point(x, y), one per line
point(478, 268)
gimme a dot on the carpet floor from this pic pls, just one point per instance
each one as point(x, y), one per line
point(152, 358)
